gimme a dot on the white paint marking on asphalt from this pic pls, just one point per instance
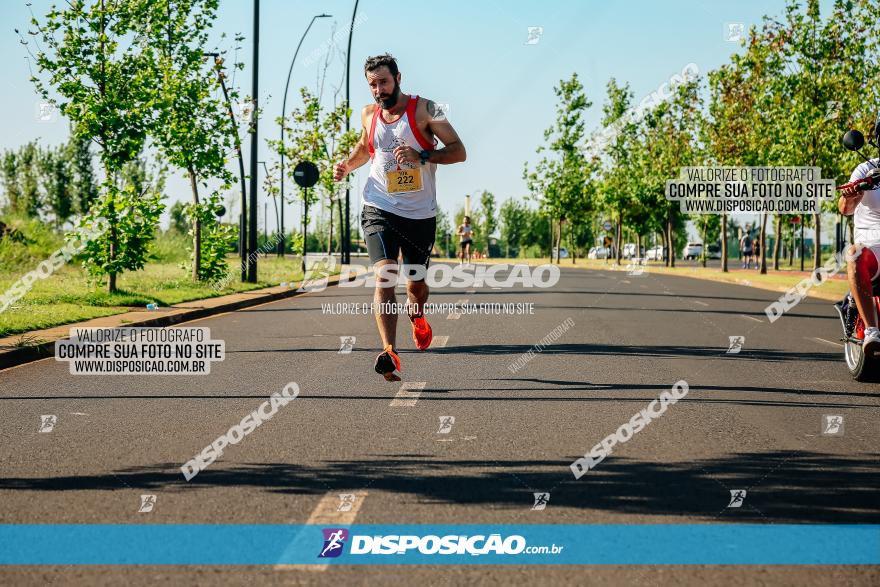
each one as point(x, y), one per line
point(408, 394)
point(440, 341)
point(837, 344)
point(701, 303)
point(470, 291)
point(457, 315)
point(327, 513)
point(625, 281)
point(752, 318)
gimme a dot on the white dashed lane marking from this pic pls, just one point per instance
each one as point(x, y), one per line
point(336, 508)
point(408, 394)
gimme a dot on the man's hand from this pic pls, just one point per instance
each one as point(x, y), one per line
point(851, 192)
point(341, 170)
point(406, 155)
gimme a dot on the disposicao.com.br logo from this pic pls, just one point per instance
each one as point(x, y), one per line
point(476, 545)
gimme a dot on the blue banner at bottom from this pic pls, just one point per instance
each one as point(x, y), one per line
point(264, 544)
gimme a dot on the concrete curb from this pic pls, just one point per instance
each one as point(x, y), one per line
point(12, 353)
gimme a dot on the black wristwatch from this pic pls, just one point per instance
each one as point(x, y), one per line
point(423, 157)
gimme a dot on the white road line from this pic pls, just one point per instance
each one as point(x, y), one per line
point(831, 342)
point(408, 394)
point(625, 281)
point(752, 318)
point(327, 513)
point(440, 341)
point(701, 303)
point(456, 315)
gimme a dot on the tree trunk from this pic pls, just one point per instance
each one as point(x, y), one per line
point(790, 245)
point(197, 227)
point(763, 245)
point(114, 235)
point(558, 240)
point(777, 243)
point(817, 250)
point(670, 241)
point(619, 236)
point(724, 243)
point(552, 236)
point(639, 246)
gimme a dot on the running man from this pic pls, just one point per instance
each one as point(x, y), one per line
point(466, 233)
point(399, 138)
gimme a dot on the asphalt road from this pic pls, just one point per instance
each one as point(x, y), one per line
point(751, 420)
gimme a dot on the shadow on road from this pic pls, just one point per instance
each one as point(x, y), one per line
point(662, 351)
point(782, 487)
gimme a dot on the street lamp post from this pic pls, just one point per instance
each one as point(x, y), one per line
point(346, 230)
point(283, 113)
point(252, 221)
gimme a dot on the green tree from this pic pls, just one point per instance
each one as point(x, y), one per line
point(193, 129)
point(487, 204)
point(179, 222)
point(57, 181)
point(105, 85)
point(317, 136)
point(21, 180)
point(444, 227)
point(514, 225)
point(560, 181)
point(85, 188)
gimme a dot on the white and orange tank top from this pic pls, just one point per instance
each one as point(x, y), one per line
point(384, 138)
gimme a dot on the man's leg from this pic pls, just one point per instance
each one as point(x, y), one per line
point(384, 298)
point(417, 294)
point(861, 268)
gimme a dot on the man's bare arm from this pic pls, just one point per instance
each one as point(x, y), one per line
point(453, 150)
point(359, 155)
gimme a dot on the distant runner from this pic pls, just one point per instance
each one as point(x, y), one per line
point(466, 233)
point(399, 138)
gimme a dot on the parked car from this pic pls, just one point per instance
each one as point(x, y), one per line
point(692, 251)
point(563, 253)
point(713, 252)
point(656, 253)
point(599, 253)
point(629, 251)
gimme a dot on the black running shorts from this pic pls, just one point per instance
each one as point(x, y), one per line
point(388, 234)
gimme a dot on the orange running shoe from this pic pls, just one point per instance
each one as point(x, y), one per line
point(386, 363)
point(422, 334)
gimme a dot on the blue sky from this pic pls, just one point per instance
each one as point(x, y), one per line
point(471, 55)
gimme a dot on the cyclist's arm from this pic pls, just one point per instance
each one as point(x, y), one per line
point(848, 200)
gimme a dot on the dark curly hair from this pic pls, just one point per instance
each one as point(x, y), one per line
point(374, 63)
